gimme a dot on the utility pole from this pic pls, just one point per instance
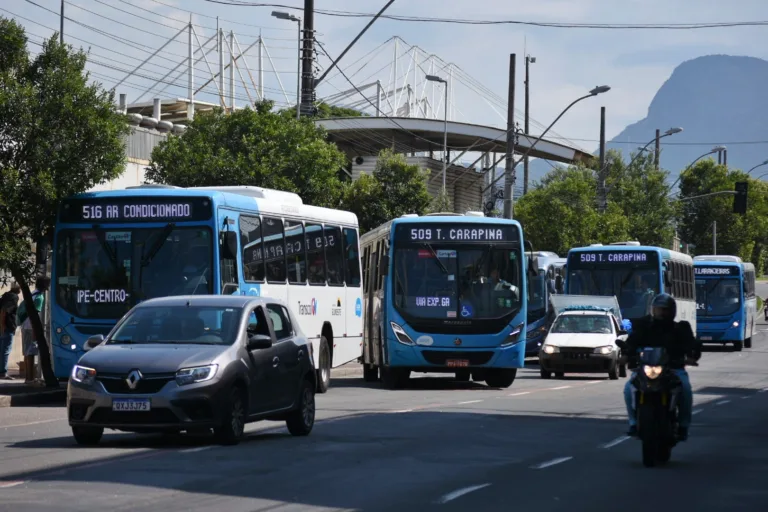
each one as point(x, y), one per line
point(601, 171)
point(509, 170)
point(714, 238)
point(307, 71)
point(657, 150)
point(61, 31)
point(725, 158)
point(528, 60)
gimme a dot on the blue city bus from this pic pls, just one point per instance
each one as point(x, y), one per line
point(445, 294)
point(114, 249)
point(634, 274)
point(540, 289)
point(726, 304)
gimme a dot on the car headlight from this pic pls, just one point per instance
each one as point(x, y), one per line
point(401, 335)
point(652, 372)
point(83, 375)
point(550, 349)
point(197, 374)
point(604, 350)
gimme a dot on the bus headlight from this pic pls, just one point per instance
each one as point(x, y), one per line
point(550, 349)
point(604, 350)
point(736, 323)
point(401, 335)
point(513, 337)
point(652, 372)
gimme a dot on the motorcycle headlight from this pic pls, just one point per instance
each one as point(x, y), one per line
point(401, 335)
point(83, 375)
point(604, 350)
point(198, 374)
point(652, 372)
point(550, 349)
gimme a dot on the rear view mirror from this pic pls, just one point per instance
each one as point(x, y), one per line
point(259, 341)
point(93, 342)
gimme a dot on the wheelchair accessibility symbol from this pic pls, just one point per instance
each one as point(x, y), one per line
point(466, 311)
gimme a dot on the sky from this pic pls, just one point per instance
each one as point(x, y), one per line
point(569, 61)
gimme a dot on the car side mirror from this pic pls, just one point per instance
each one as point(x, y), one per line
point(622, 332)
point(259, 341)
point(621, 343)
point(93, 342)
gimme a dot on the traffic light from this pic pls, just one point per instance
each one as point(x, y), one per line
point(740, 199)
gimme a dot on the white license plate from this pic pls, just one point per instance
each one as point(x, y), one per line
point(706, 338)
point(131, 404)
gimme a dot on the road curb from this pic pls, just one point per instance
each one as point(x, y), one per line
point(35, 398)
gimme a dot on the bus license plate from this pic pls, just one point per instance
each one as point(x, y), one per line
point(706, 338)
point(125, 405)
point(455, 363)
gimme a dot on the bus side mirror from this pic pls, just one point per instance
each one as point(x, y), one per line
point(667, 278)
point(228, 245)
point(533, 265)
point(384, 265)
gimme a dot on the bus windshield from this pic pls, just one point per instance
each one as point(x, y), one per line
point(718, 297)
point(537, 297)
point(103, 273)
point(463, 281)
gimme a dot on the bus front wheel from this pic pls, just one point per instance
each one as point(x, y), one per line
point(501, 377)
point(738, 345)
point(748, 343)
point(370, 373)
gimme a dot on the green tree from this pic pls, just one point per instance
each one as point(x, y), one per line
point(395, 188)
point(256, 147)
point(324, 111)
point(59, 135)
point(741, 235)
point(441, 203)
point(563, 213)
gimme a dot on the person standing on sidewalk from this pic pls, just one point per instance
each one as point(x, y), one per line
point(28, 340)
point(9, 303)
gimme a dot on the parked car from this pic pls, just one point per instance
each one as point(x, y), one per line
point(195, 363)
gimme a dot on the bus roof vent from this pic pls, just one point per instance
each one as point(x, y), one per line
point(151, 186)
point(632, 243)
point(595, 245)
point(408, 216)
point(472, 213)
point(259, 193)
point(442, 214)
point(713, 257)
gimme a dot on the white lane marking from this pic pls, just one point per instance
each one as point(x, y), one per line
point(30, 423)
point(6, 485)
point(460, 492)
point(722, 402)
point(595, 382)
point(616, 441)
point(697, 411)
point(470, 402)
point(561, 387)
point(520, 393)
point(745, 397)
point(196, 449)
point(552, 462)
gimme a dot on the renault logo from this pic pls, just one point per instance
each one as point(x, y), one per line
point(133, 379)
point(457, 342)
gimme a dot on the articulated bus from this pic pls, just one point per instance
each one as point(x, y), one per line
point(634, 274)
point(446, 294)
point(726, 304)
point(540, 289)
point(114, 249)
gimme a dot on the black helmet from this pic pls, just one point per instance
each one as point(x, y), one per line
point(663, 307)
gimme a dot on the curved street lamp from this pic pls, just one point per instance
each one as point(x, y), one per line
point(716, 149)
point(667, 133)
point(758, 165)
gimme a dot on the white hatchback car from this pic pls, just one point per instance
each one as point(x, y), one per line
point(582, 339)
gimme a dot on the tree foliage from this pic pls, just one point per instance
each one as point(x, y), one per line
point(324, 111)
point(255, 147)
point(395, 188)
point(59, 135)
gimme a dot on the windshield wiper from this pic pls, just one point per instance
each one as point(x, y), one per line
point(111, 254)
point(159, 242)
point(434, 255)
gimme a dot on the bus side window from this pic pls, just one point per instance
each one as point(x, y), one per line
point(274, 249)
point(352, 253)
point(366, 265)
point(252, 247)
point(295, 253)
point(380, 250)
point(334, 255)
point(315, 253)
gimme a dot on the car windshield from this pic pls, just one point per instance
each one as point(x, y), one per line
point(633, 287)
point(718, 297)
point(464, 281)
point(582, 324)
point(537, 297)
point(103, 273)
point(205, 325)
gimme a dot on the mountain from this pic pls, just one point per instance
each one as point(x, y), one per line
point(717, 100)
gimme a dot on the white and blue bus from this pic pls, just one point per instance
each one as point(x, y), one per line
point(114, 249)
point(540, 289)
point(445, 294)
point(634, 274)
point(726, 304)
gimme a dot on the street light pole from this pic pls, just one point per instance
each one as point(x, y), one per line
point(290, 17)
point(758, 165)
point(716, 149)
point(528, 60)
point(656, 139)
point(433, 78)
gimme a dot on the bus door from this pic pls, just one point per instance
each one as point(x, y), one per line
point(353, 295)
point(370, 324)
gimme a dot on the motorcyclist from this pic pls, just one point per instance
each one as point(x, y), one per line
point(659, 329)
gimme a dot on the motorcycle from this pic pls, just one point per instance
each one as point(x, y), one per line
point(657, 395)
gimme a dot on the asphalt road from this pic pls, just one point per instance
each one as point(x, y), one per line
point(540, 445)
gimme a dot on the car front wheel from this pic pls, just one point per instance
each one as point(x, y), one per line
point(302, 419)
point(232, 426)
point(87, 436)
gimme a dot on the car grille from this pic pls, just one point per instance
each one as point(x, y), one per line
point(440, 357)
point(105, 416)
point(576, 353)
point(147, 385)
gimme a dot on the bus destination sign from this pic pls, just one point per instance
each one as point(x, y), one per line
point(616, 257)
point(105, 210)
point(715, 271)
point(453, 233)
